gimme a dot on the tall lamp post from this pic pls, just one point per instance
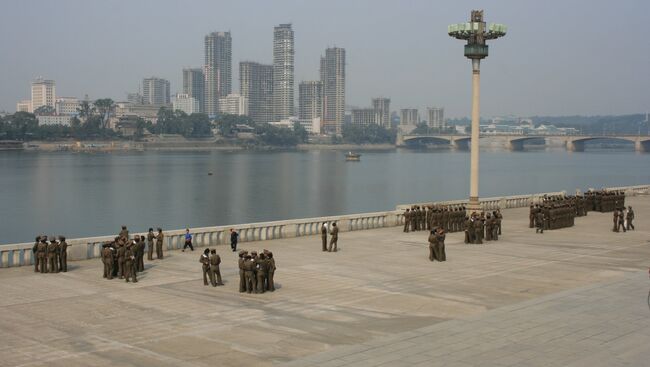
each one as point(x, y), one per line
point(475, 32)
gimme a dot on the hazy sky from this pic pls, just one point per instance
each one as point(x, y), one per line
point(559, 57)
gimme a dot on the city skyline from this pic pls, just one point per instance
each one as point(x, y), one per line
point(577, 70)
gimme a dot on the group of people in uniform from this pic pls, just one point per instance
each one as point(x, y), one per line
point(605, 201)
point(623, 219)
point(483, 226)
point(425, 218)
point(124, 256)
point(256, 271)
point(50, 256)
point(334, 237)
point(437, 245)
point(210, 261)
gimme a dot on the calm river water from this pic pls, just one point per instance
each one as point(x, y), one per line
point(81, 195)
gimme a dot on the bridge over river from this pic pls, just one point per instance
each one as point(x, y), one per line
point(574, 143)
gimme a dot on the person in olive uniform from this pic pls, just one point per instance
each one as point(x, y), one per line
point(271, 260)
point(35, 252)
point(121, 258)
point(215, 273)
point(432, 244)
point(141, 254)
point(150, 243)
point(334, 238)
point(52, 251)
point(242, 276)
point(130, 264)
point(63, 254)
point(499, 219)
point(249, 273)
point(124, 233)
point(468, 230)
point(159, 244)
point(323, 236)
point(539, 221)
point(205, 265)
point(615, 218)
point(262, 266)
point(407, 220)
point(107, 259)
point(441, 254)
point(621, 220)
point(630, 218)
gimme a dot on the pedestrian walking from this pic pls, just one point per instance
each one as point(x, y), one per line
point(234, 236)
point(188, 240)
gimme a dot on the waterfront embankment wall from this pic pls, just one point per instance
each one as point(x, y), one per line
point(86, 248)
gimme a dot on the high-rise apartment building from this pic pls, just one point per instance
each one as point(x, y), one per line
point(409, 116)
point(155, 91)
point(310, 100)
point(256, 85)
point(332, 73)
point(43, 93)
point(436, 117)
point(283, 72)
point(381, 106)
point(217, 69)
point(194, 85)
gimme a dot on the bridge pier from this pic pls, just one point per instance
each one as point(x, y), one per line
point(575, 146)
point(461, 143)
point(515, 145)
point(642, 145)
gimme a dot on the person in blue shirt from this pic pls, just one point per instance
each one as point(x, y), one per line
point(188, 240)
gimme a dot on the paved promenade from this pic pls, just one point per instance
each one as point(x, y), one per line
point(570, 297)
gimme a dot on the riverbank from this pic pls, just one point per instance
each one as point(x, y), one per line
point(348, 147)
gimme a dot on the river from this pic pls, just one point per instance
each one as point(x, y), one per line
point(82, 194)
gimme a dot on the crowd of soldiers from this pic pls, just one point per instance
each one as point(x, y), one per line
point(256, 271)
point(210, 263)
point(605, 201)
point(483, 226)
point(124, 257)
point(50, 256)
point(425, 218)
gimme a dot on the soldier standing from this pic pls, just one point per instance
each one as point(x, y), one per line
point(52, 251)
point(271, 260)
point(124, 233)
point(41, 254)
point(249, 273)
point(242, 276)
point(141, 254)
point(478, 231)
point(159, 244)
point(215, 260)
point(205, 265)
point(262, 266)
point(630, 217)
point(150, 244)
point(432, 245)
point(35, 253)
point(615, 218)
point(121, 257)
point(63, 254)
point(129, 264)
point(489, 227)
point(531, 217)
point(621, 220)
point(499, 218)
point(107, 259)
point(539, 222)
point(440, 245)
point(334, 238)
point(468, 230)
point(407, 220)
point(323, 235)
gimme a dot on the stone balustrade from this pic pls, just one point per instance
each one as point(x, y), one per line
point(87, 248)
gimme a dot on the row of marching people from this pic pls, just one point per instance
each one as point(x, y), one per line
point(50, 256)
point(448, 217)
point(605, 201)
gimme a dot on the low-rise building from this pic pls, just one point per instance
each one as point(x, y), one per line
point(54, 119)
point(24, 106)
point(183, 102)
point(67, 106)
point(234, 104)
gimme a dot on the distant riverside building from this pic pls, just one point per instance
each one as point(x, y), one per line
point(135, 98)
point(67, 106)
point(183, 102)
point(217, 69)
point(283, 72)
point(43, 93)
point(54, 119)
point(148, 112)
point(409, 116)
point(24, 106)
point(436, 117)
point(194, 85)
point(363, 116)
point(155, 91)
point(381, 106)
point(332, 74)
point(234, 104)
point(310, 100)
point(256, 86)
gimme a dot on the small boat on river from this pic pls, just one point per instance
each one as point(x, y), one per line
point(352, 157)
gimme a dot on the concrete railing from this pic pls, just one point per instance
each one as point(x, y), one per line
point(87, 248)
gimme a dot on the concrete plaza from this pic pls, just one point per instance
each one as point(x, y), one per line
point(570, 297)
